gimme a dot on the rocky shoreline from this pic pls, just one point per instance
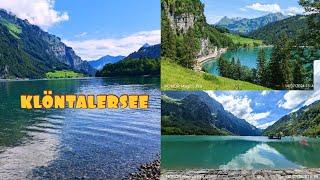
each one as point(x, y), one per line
point(243, 174)
point(147, 171)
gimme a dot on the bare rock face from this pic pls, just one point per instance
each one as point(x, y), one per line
point(184, 22)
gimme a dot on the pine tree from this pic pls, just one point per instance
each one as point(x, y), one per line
point(280, 69)
point(238, 69)
point(298, 72)
point(261, 68)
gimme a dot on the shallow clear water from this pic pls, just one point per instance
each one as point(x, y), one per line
point(95, 143)
point(235, 152)
point(247, 56)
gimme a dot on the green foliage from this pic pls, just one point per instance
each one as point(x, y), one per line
point(14, 30)
point(183, 46)
point(241, 41)
point(176, 120)
point(292, 27)
point(262, 72)
point(63, 74)
point(131, 67)
point(176, 77)
point(234, 70)
point(305, 121)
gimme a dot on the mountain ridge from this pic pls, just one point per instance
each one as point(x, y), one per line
point(99, 63)
point(245, 25)
point(29, 52)
point(223, 119)
point(305, 121)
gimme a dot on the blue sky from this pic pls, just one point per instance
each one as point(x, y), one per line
point(263, 108)
point(94, 28)
point(217, 9)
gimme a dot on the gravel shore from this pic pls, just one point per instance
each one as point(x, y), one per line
point(147, 171)
point(242, 174)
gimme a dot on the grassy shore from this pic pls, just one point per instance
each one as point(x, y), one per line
point(176, 77)
point(244, 41)
point(63, 74)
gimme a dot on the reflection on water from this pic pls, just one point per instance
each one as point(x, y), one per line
point(232, 152)
point(93, 143)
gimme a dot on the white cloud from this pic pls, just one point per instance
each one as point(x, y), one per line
point(240, 106)
point(273, 8)
point(95, 48)
point(291, 11)
point(292, 99)
point(265, 125)
point(38, 12)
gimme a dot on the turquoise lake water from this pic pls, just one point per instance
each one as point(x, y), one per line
point(237, 152)
point(75, 143)
point(247, 56)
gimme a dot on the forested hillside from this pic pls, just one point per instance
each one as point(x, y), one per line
point(292, 27)
point(305, 121)
point(197, 113)
point(186, 34)
point(29, 52)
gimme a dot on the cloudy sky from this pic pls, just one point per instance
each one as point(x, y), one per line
point(217, 9)
point(263, 108)
point(94, 28)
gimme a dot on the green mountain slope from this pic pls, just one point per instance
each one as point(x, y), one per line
point(245, 26)
point(292, 26)
point(305, 121)
point(197, 113)
point(29, 52)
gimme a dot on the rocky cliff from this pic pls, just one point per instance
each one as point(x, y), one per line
point(36, 49)
point(185, 21)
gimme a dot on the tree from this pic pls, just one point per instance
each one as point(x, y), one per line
point(280, 69)
point(298, 72)
point(261, 68)
point(312, 36)
point(238, 69)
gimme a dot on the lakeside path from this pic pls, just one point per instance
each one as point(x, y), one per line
point(242, 174)
point(200, 61)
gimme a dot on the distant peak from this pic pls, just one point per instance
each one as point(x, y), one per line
point(146, 45)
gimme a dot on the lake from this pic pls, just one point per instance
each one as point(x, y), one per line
point(70, 143)
point(247, 56)
point(235, 152)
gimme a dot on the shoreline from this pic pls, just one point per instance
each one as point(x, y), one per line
point(201, 60)
point(147, 171)
point(82, 78)
point(272, 174)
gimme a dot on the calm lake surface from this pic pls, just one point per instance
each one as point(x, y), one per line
point(235, 152)
point(247, 56)
point(69, 143)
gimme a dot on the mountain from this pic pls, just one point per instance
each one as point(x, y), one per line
point(26, 51)
point(292, 27)
point(145, 61)
point(198, 110)
point(98, 64)
point(245, 26)
point(185, 33)
point(146, 51)
point(305, 121)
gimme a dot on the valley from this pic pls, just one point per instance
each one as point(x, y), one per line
point(191, 42)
